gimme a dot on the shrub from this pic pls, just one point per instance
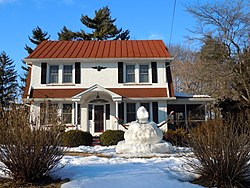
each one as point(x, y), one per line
point(111, 137)
point(75, 138)
point(176, 137)
point(223, 151)
point(29, 153)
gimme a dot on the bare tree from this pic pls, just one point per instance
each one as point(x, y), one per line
point(191, 75)
point(227, 23)
point(184, 60)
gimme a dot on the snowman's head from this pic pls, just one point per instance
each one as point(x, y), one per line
point(142, 114)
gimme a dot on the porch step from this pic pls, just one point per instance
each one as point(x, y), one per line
point(96, 141)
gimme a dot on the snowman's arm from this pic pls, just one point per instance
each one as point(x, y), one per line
point(166, 121)
point(162, 123)
point(125, 126)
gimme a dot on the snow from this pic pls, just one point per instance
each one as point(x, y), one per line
point(117, 171)
point(185, 95)
point(123, 172)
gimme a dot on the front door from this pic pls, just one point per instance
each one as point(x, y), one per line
point(99, 118)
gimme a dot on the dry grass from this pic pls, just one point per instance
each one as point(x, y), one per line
point(82, 154)
point(9, 183)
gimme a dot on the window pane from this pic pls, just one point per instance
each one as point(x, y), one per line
point(130, 73)
point(53, 74)
point(143, 73)
point(67, 113)
point(131, 113)
point(67, 73)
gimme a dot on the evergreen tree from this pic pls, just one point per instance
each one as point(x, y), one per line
point(8, 80)
point(38, 36)
point(102, 25)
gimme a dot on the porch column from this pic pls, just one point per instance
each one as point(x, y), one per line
point(116, 114)
point(186, 121)
point(76, 114)
point(206, 111)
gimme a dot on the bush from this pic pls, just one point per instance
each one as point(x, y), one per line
point(111, 137)
point(29, 153)
point(176, 137)
point(75, 138)
point(223, 151)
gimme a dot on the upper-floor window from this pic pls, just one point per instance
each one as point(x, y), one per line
point(143, 71)
point(67, 73)
point(130, 73)
point(53, 73)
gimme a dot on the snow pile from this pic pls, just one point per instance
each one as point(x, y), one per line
point(143, 137)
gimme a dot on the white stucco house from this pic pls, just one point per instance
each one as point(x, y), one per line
point(94, 82)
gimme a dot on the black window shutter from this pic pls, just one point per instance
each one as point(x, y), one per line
point(120, 72)
point(77, 73)
point(154, 72)
point(43, 73)
point(155, 112)
point(121, 111)
point(107, 111)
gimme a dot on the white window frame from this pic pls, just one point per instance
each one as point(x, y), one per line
point(67, 74)
point(68, 113)
point(148, 76)
point(50, 75)
point(127, 74)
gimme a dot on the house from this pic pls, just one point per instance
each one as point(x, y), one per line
point(95, 82)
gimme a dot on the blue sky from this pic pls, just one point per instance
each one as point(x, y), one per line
point(146, 19)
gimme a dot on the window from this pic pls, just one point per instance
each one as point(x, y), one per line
point(52, 111)
point(143, 73)
point(53, 73)
point(67, 113)
point(67, 73)
point(48, 113)
point(131, 113)
point(130, 73)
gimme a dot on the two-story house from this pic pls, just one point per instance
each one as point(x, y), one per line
point(94, 82)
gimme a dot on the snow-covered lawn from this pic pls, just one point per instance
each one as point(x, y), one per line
point(116, 171)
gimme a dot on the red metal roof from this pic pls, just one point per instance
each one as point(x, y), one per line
point(125, 92)
point(101, 49)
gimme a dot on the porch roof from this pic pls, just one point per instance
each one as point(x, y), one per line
point(124, 92)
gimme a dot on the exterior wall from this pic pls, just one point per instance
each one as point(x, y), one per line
point(106, 78)
point(163, 114)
